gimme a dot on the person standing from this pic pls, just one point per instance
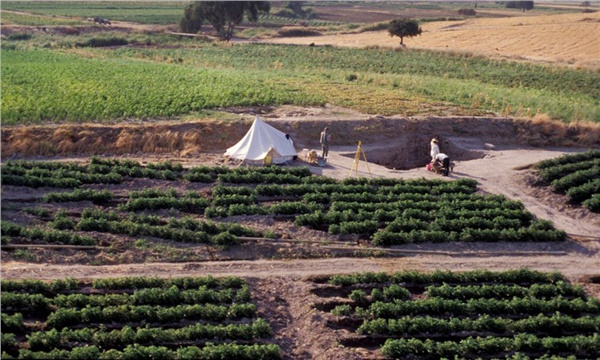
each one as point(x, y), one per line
point(445, 161)
point(325, 139)
point(435, 149)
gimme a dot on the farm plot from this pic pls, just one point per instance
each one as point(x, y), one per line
point(478, 314)
point(577, 176)
point(384, 212)
point(123, 83)
point(133, 317)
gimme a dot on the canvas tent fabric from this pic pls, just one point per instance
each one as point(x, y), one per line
point(263, 143)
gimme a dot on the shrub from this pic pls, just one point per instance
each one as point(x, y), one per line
point(102, 42)
point(19, 37)
point(297, 32)
point(467, 12)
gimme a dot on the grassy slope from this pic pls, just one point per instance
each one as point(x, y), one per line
point(41, 85)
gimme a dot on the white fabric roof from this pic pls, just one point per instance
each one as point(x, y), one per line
point(259, 140)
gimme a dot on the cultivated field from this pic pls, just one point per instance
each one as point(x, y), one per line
point(125, 233)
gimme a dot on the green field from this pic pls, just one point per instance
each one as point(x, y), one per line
point(167, 12)
point(70, 83)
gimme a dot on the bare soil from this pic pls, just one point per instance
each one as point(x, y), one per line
point(488, 150)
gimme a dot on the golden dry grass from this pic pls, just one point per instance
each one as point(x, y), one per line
point(541, 130)
point(91, 139)
point(567, 39)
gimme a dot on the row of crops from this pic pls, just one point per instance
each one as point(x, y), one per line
point(575, 175)
point(519, 314)
point(386, 211)
point(133, 318)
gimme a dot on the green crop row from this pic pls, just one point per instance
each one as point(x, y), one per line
point(385, 237)
point(162, 232)
point(585, 191)
point(79, 195)
point(125, 283)
point(152, 296)
point(212, 227)
point(516, 306)
point(577, 178)
point(586, 346)
point(389, 294)
point(44, 236)
point(119, 339)
point(550, 174)
point(155, 296)
point(71, 175)
point(187, 204)
point(555, 325)
point(568, 159)
point(521, 276)
point(64, 317)
point(208, 352)
point(97, 218)
point(39, 287)
point(499, 291)
point(258, 178)
point(16, 302)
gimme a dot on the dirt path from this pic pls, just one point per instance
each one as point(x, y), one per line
point(573, 266)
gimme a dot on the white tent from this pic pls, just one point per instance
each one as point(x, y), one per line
point(263, 143)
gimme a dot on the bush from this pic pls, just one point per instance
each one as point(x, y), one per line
point(593, 203)
point(19, 37)
point(467, 12)
point(102, 42)
point(297, 32)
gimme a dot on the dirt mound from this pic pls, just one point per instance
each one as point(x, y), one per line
point(405, 140)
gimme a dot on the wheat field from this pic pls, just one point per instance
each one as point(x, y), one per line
point(567, 39)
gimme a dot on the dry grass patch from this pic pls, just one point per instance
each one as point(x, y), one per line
point(541, 130)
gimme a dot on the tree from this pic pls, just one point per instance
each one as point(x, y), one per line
point(222, 15)
point(191, 22)
point(524, 5)
point(402, 28)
